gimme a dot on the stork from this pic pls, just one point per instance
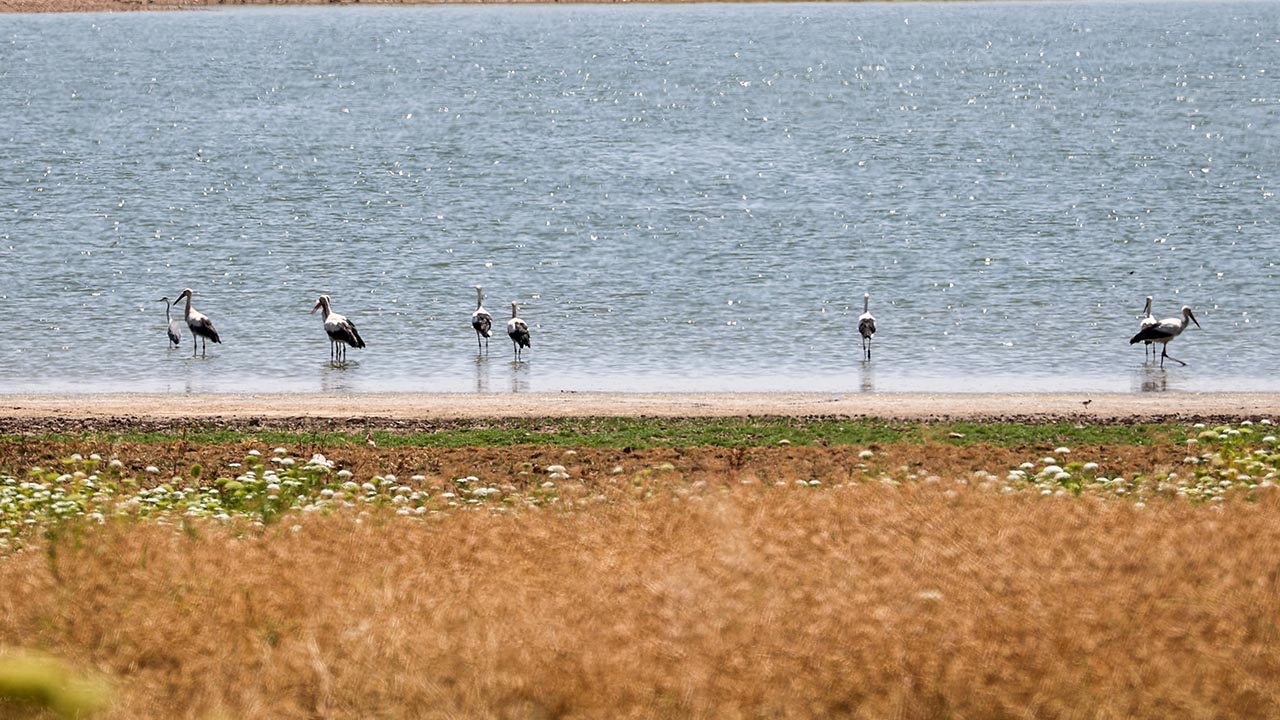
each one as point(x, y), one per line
point(200, 325)
point(1164, 331)
point(171, 325)
point(482, 321)
point(866, 325)
point(340, 330)
point(1148, 321)
point(518, 331)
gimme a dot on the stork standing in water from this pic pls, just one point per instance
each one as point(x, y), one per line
point(1164, 331)
point(340, 330)
point(200, 325)
point(518, 331)
point(866, 325)
point(171, 325)
point(1148, 321)
point(482, 321)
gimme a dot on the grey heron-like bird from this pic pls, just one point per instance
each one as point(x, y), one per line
point(518, 331)
point(200, 325)
point(1147, 321)
point(866, 325)
point(341, 331)
point(482, 321)
point(171, 326)
point(1166, 330)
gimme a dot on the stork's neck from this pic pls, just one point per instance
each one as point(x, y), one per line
point(325, 310)
point(866, 303)
point(513, 310)
point(167, 316)
point(479, 298)
point(187, 312)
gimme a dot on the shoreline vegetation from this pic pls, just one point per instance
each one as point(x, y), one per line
point(535, 567)
point(658, 555)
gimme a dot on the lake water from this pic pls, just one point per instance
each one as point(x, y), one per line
point(681, 197)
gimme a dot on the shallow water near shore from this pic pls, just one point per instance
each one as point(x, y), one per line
point(681, 198)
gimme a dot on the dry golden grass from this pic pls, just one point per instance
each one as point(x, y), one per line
point(723, 600)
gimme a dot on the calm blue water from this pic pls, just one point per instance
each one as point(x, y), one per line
point(681, 197)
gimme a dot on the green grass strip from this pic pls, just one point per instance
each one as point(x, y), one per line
point(659, 432)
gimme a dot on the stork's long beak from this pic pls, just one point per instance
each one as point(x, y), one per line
point(175, 302)
point(1193, 318)
point(314, 309)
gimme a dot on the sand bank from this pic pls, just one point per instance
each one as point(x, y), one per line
point(394, 407)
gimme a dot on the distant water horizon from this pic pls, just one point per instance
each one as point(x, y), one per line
point(682, 198)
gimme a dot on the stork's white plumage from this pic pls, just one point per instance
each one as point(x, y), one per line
point(518, 331)
point(341, 331)
point(1147, 321)
point(866, 325)
point(481, 321)
point(1166, 330)
point(172, 327)
point(200, 325)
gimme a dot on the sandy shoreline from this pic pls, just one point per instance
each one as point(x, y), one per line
point(390, 408)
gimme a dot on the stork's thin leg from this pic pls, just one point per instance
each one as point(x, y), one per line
point(1166, 354)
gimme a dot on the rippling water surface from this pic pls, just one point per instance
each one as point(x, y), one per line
point(680, 197)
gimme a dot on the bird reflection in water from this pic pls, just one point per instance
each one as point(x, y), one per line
point(334, 379)
point(1151, 379)
point(868, 378)
point(520, 377)
point(482, 373)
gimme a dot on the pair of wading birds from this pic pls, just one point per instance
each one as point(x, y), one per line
point(1151, 330)
point(341, 331)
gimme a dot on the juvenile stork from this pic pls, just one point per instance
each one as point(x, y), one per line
point(866, 325)
point(340, 330)
point(200, 325)
point(1164, 331)
point(1148, 321)
point(171, 325)
point(518, 331)
point(482, 321)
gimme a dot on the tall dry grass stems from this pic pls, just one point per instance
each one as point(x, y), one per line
point(924, 601)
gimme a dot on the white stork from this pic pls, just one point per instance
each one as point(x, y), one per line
point(171, 326)
point(1148, 321)
point(518, 331)
point(340, 330)
point(1164, 331)
point(200, 325)
point(481, 320)
point(866, 325)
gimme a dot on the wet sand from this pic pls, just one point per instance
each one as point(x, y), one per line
point(393, 408)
